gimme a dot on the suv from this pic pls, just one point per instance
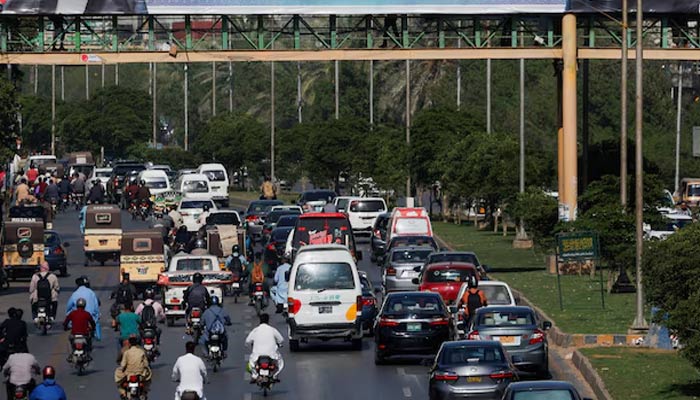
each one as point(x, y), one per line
point(314, 200)
point(116, 183)
point(362, 212)
point(325, 296)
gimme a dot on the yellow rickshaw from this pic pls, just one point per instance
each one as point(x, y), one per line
point(103, 233)
point(142, 257)
point(22, 247)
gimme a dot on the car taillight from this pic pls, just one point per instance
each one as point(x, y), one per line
point(163, 280)
point(445, 376)
point(377, 234)
point(384, 322)
point(501, 375)
point(358, 303)
point(537, 337)
point(251, 218)
point(301, 229)
point(294, 305)
point(58, 251)
point(473, 335)
point(20, 394)
point(440, 322)
point(390, 271)
point(368, 301)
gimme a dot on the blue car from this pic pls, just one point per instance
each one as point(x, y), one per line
point(55, 252)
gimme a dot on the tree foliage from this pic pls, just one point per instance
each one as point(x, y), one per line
point(538, 211)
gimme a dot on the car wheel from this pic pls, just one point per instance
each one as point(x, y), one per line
point(356, 344)
point(293, 345)
point(379, 358)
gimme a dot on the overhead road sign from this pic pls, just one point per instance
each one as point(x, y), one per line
point(270, 7)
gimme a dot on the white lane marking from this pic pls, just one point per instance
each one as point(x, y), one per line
point(246, 357)
point(248, 324)
point(247, 396)
point(407, 392)
point(401, 371)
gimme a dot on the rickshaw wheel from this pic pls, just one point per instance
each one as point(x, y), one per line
point(102, 263)
point(85, 263)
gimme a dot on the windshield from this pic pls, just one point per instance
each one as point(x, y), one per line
point(287, 220)
point(41, 161)
point(156, 184)
point(453, 257)
point(227, 218)
point(367, 206)
point(280, 235)
point(274, 216)
point(342, 204)
point(694, 190)
point(453, 355)
point(544, 394)
point(405, 241)
point(410, 256)
point(103, 174)
point(194, 264)
point(413, 304)
point(324, 276)
point(407, 226)
point(496, 295)
point(51, 239)
point(449, 275)
point(261, 207)
point(215, 175)
point(506, 318)
point(318, 196)
point(195, 186)
point(196, 204)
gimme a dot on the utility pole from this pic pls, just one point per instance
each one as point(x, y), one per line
point(155, 103)
point(63, 84)
point(488, 95)
point(459, 70)
point(371, 94)
point(408, 123)
point(272, 121)
point(36, 79)
point(640, 322)
point(213, 88)
point(337, 91)
point(623, 108)
point(103, 75)
point(299, 99)
point(187, 116)
point(87, 82)
point(116, 74)
point(230, 86)
point(53, 109)
point(677, 181)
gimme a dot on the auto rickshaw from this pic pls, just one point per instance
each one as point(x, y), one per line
point(103, 233)
point(22, 247)
point(142, 257)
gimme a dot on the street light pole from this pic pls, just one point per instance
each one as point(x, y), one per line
point(678, 126)
point(623, 109)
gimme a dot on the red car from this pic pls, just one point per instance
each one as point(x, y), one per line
point(445, 278)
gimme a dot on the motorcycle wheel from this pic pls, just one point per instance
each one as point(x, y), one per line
point(258, 307)
point(235, 298)
point(81, 370)
point(215, 367)
point(44, 329)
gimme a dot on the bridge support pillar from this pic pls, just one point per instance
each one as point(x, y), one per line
point(568, 156)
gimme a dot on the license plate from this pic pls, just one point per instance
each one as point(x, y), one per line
point(78, 352)
point(264, 372)
point(259, 293)
point(235, 285)
point(46, 252)
point(195, 321)
point(133, 385)
point(148, 346)
point(214, 349)
point(414, 326)
point(142, 271)
point(508, 340)
point(41, 315)
point(325, 309)
point(474, 379)
point(103, 242)
point(409, 274)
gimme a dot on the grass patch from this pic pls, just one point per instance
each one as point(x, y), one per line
point(633, 373)
point(525, 270)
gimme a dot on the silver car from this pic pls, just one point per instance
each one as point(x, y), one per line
point(401, 265)
point(470, 369)
point(520, 333)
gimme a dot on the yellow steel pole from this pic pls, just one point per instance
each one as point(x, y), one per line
point(568, 199)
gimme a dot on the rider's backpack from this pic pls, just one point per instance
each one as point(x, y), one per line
point(217, 327)
point(43, 287)
point(124, 295)
point(148, 315)
point(473, 302)
point(235, 265)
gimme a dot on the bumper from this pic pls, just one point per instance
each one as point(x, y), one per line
point(325, 331)
point(392, 284)
point(532, 359)
point(418, 344)
point(445, 391)
point(56, 263)
point(102, 255)
point(221, 201)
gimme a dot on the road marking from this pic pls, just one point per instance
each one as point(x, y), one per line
point(248, 324)
point(401, 371)
point(247, 396)
point(407, 392)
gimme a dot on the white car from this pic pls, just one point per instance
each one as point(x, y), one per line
point(191, 209)
point(102, 174)
point(325, 296)
point(156, 180)
point(218, 181)
point(362, 212)
point(497, 294)
point(194, 186)
point(671, 222)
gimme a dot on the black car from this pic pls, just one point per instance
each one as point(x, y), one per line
point(55, 252)
point(560, 390)
point(120, 171)
point(378, 238)
point(273, 217)
point(408, 241)
point(256, 213)
point(274, 248)
point(411, 323)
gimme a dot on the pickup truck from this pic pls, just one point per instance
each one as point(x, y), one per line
point(178, 277)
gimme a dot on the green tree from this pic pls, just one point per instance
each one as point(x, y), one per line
point(538, 211)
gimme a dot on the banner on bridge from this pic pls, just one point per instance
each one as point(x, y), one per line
point(268, 7)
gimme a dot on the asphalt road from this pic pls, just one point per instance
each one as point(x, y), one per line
point(320, 370)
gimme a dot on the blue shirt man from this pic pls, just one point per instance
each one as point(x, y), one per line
point(48, 390)
point(92, 306)
point(215, 316)
point(81, 216)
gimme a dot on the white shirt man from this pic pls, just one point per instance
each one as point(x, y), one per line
point(265, 341)
point(191, 372)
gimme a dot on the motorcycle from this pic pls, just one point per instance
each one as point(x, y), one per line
point(80, 353)
point(134, 209)
point(144, 209)
point(259, 300)
point(135, 388)
point(266, 367)
point(214, 351)
point(189, 395)
point(195, 327)
point(235, 288)
point(150, 344)
point(42, 321)
point(21, 392)
point(78, 200)
point(63, 204)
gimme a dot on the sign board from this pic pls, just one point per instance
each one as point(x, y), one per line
point(90, 58)
point(578, 246)
point(696, 141)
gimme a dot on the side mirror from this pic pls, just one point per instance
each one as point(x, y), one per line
point(66, 244)
point(547, 325)
point(415, 281)
point(417, 269)
point(452, 309)
point(358, 255)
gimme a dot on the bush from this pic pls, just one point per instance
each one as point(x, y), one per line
point(538, 212)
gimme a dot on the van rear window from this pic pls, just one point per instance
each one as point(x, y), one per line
point(324, 276)
point(215, 176)
point(367, 206)
point(322, 231)
point(407, 226)
point(195, 187)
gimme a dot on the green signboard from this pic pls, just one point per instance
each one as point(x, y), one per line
point(578, 246)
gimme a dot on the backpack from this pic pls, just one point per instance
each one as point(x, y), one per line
point(235, 265)
point(43, 287)
point(124, 295)
point(148, 315)
point(473, 301)
point(197, 296)
point(218, 326)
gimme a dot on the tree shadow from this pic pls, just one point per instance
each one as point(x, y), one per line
point(514, 269)
point(690, 389)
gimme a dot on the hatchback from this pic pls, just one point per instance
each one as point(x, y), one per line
point(467, 369)
point(519, 331)
point(411, 323)
point(55, 252)
point(399, 268)
point(445, 279)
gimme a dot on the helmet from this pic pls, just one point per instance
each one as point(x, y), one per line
point(205, 207)
point(149, 293)
point(235, 249)
point(48, 372)
point(82, 281)
point(132, 180)
point(215, 300)
point(198, 278)
point(143, 182)
point(473, 283)
point(81, 303)
point(200, 244)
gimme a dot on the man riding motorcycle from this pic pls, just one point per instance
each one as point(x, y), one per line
point(266, 341)
point(191, 373)
point(279, 291)
point(196, 296)
point(144, 193)
point(215, 320)
point(97, 193)
point(44, 288)
point(80, 323)
point(48, 389)
point(236, 262)
point(13, 334)
point(133, 362)
point(124, 295)
point(151, 312)
point(20, 369)
point(92, 303)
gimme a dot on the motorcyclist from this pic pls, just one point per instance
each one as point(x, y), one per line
point(23, 193)
point(195, 239)
point(151, 312)
point(20, 369)
point(48, 389)
point(97, 193)
point(196, 296)
point(123, 295)
point(268, 191)
point(182, 237)
point(279, 291)
point(128, 324)
point(175, 216)
point(202, 219)
point(144, 193)
point(472, 299)
point(265, 341)
point(78, 185)
point(190, 371)
point(44, 287)
point(257, 275)
point(51, 194)
point(64, 188)
point(130, 192)
point(13, 334)
point(236, 262)
point(92, 303)
point(80, 323)
point(215, 320)
point(133, 362)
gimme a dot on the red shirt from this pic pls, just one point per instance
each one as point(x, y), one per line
point(82, 322)
point(32, 174)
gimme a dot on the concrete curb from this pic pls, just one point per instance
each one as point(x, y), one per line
point(591, 376)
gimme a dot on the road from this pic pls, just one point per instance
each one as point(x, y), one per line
point(319, 371)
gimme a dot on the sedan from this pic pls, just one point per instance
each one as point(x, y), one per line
point(274, 248)
point(520, 333)
point(536, 390)
point(470, 369)
point(411, 323)
point(55, 252)
point(399, 268)
point(256, 213)
point(445, 278)
point(409, 240)
point(273, 218)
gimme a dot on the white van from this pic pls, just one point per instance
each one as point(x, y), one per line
point(194, 186)
point(363, 211)
point(325, 296)
point(218, 181)
point(156, 180)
